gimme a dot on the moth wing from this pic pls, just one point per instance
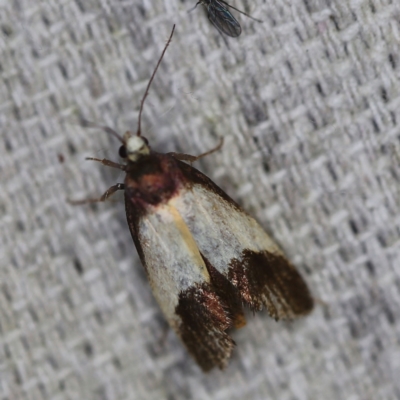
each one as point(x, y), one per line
point(181, 283)
point(239, 249)
point(223, 20)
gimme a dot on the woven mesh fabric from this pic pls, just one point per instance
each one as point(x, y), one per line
point(308, 103)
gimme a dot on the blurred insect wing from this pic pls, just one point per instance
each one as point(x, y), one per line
point(222, 19)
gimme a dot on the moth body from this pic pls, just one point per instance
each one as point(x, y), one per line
point(204, 256)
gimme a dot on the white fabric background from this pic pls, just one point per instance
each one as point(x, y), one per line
point(309, 105)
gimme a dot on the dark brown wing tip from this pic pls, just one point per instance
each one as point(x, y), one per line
point(228, 294)
point(267, 279)
point(203, 326)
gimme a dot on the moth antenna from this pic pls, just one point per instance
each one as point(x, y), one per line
point(151, 80)
point(88, 124)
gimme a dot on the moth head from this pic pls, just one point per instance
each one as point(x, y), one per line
point(134, 147)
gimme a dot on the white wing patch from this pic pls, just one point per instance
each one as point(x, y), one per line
point(172, 258)
point(220, 230)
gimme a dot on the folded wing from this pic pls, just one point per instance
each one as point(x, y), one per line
point(181, 283)
point(240, 250)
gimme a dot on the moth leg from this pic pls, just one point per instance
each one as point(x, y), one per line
point(189, 158)
point(108, 163)
point(109, 192)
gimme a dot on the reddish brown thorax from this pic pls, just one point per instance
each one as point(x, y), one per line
point(152, 180)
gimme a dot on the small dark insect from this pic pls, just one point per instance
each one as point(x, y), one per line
point(221, 18)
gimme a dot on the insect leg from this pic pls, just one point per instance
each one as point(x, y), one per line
point(190, 158)
point(109, 192)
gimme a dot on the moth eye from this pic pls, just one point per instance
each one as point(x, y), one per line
point(122, 152)
point(145, 140)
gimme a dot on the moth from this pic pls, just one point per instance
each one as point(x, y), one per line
point(204, 256)
point(221, 18)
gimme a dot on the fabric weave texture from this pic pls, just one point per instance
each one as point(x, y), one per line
point(308, 103)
